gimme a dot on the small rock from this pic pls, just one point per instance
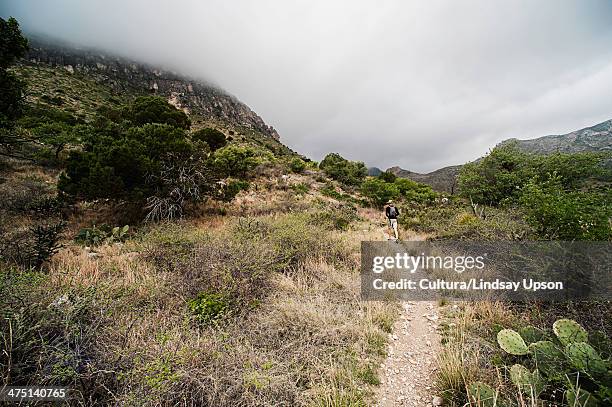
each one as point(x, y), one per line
point(437, 401)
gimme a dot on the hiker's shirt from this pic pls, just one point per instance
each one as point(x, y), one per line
point(391, 214)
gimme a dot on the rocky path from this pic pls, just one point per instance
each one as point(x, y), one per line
point(408, 373)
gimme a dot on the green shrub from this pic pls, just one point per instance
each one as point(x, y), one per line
point(500, 177)
point(497, 177)
point(378, 191)
point(329, 190)
point(458, 222)
point(212, 137)
point(557, 214)
point(208, 307)
point(117, 163)
point(233, 187)
point(301, 188)
point(14, 46)
point(338, 218)
point(387, 176)
point(415, 192)
point(236, 161)
point(297, 165)
point(154, 109)
point(343, 170)
point(96, 236)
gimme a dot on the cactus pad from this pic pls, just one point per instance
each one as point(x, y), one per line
point(586, 359)
point(580, 397)
point(549, 358)
point(511, 342)
point(481, 393)
point(531, 334)
point(569, 331)
point(601, 343)
point(527, 382)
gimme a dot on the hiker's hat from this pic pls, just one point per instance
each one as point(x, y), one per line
point(389, 202)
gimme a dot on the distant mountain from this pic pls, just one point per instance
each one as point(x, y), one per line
point(442, 180)
point(374, 171)
point(595, 138)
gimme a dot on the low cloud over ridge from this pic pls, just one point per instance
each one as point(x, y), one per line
point(415, 84)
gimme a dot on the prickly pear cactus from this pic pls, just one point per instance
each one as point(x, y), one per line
point(579, 397)
point(511, 342)
point(569, 331)
point(586, 359)
point(531, 334)
point(601, 343)
point(528, 382)
point(549, 359)
point(482, 394)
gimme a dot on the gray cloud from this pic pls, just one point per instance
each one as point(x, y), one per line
point(416, 84)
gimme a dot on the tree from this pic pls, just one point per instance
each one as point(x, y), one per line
point(387, 176)
point(566, 215)
point(497, 177)
point(57, 135)
point(118, 164)
point(378, 191)
point(500, 177)
point(154, 109)
point(235, 161)
point(345, 171)
point(12, 47)
point(414, 191)
point(213, 137)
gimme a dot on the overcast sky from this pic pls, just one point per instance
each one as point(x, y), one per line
point(419, 84)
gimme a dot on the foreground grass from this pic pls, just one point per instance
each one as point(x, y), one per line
point(117, 325)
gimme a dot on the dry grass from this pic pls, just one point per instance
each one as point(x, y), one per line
point(466, 355)
point(300, 335)
point(308, 341)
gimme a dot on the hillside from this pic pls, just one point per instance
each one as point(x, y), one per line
point(80, 80)
point(249, 300)
point(442, 180)
point(594, 138)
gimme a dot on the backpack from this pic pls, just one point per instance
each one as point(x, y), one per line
point(392, 212)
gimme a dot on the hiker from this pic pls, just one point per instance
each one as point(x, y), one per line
point(392, 213)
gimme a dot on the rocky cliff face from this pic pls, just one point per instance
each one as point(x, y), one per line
point(123, 76)
point(595, 138)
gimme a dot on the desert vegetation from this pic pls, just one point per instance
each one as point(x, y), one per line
point(150, 257)
point(124, 275)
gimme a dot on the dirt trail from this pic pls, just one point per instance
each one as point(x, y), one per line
point(408, 373)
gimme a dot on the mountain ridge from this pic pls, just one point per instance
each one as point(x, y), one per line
point(593, 138)
point(204, 100)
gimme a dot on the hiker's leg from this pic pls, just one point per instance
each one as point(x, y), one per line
point(394, 224)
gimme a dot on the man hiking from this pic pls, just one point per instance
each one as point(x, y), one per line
point(392, 213)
